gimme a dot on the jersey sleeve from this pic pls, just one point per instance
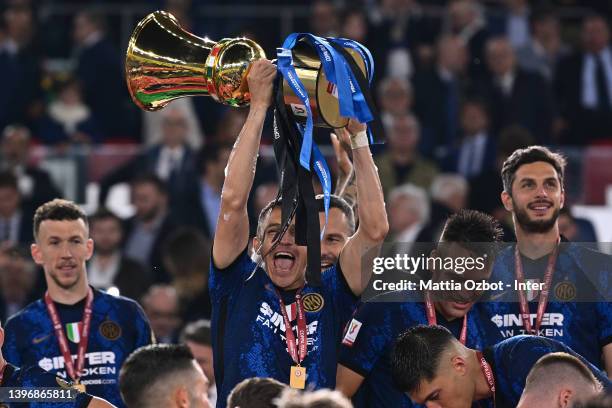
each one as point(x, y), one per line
point(145, 334)
point(366, 338)
point(604, 311)
point(10, 349)
point(529, 349)
point(38, 378)
point(223, 281)
point(345, 301)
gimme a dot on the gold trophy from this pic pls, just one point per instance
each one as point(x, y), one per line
point(165, 62)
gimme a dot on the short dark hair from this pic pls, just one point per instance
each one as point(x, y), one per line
point(148, 366)
point(104, 214)
point(211, 153)
point(186, 250)
point(255, 393)
point(529, 155)
point(473, 230)
point(553, 363)
point(334, 202)
point(198, 332)
point(8, 179)
point(58, 210)
point(416, 355)
point(151, 178)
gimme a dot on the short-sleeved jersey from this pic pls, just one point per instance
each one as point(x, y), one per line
point(581, 275)
point(35, 377)
point(512, 359)
point(249, 330)
point(373, 331)
point(118, 327)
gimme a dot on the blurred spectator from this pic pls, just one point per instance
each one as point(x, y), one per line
point(324, 20)
point(516, 96)
point(402, 36)
point(181, 9)
point(575, 229)
point(108, 267)
point(263, 195)
point(465, 19)
point(437, 94)
point(17, 280)
point(486, 188)
point(543, 53)
point(584, 86)
point(186, 258)
point(35, 184)
point(20, 75)
point(401, 162)
point(409, 211)
point(256, 392)
point(68, 119)
point(206, 198)
point(230, 125)
point(146, 231)
point(395, 98)
point(160, 304)
point(15, 220)
point(154, 122)
point(449, 194)
point(514, 24)
point(355, 25)
point(172, 161)
point(198, 337)
point(476, 150)
point(313, 399)
point(99, 70)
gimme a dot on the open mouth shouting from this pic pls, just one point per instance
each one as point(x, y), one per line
point(283, 261)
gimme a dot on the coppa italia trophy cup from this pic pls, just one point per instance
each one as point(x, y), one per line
point(325, 81)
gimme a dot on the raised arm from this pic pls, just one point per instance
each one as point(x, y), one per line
point(373, 224)
point(232, 233)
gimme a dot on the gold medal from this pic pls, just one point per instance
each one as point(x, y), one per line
point(297, 378)
point(78, 386)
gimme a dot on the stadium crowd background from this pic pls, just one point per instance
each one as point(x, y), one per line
point(459, 84)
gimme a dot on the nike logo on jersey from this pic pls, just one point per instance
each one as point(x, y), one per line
point(40, 339)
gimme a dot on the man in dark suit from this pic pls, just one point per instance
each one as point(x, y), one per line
point(516, 96)
point(437, 95)
point(475, 152)
point(99, 70)
point(35, 184)
point(146, 231)
point(583, 86)
point(15, 219)
point(206, 194)
point(108, 266)
point(172, 161)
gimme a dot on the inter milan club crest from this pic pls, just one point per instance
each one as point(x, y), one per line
point(110, 330)
point(565, 291)
point(313, 302)
point(73, 332)
point(532, 294)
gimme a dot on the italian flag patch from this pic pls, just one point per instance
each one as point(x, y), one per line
point(73, 332)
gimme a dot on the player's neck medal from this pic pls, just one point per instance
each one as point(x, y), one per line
point(75, 374)
point(298, 352)
point(543, 301)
